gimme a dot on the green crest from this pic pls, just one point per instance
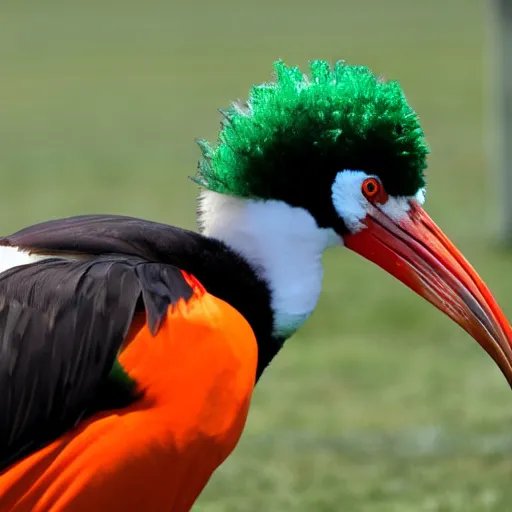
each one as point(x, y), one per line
point(296, 133)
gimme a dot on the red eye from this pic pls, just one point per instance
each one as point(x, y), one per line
point(371, 187)
point(373, 190)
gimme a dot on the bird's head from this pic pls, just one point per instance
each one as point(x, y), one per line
point(345, 145)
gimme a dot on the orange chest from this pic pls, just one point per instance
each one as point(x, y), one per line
point(197, 376)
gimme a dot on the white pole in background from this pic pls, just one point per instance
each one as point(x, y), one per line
point(499, 130)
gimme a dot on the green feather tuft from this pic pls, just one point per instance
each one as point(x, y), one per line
point(341, 117)
point(118, 376)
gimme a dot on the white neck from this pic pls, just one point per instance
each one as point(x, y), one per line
point(282, 243)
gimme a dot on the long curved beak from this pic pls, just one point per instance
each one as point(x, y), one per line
point(419, 254)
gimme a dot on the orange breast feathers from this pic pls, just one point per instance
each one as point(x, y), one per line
point(157, 455)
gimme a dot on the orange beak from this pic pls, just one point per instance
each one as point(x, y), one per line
point(419, 254)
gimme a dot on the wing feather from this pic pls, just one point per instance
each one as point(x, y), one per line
point(62, 324)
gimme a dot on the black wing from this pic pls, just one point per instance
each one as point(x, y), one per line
point(61, 326)
point(101, 234)
point(221, 271)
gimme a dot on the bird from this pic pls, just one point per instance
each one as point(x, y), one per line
point(130, 349)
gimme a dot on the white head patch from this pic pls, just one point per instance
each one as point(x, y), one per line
point(352, 206)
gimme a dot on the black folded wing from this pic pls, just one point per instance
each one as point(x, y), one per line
point(223, 272)
point(101, 234)
point(61, 325)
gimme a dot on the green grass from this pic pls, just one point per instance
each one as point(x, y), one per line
point(380, 402)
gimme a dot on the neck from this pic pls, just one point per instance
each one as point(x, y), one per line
point(283, 244)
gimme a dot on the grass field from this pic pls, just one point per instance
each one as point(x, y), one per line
point(380, 403)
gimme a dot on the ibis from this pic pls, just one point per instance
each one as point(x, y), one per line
point(130, 349)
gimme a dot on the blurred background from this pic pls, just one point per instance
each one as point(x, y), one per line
point(380, 402)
